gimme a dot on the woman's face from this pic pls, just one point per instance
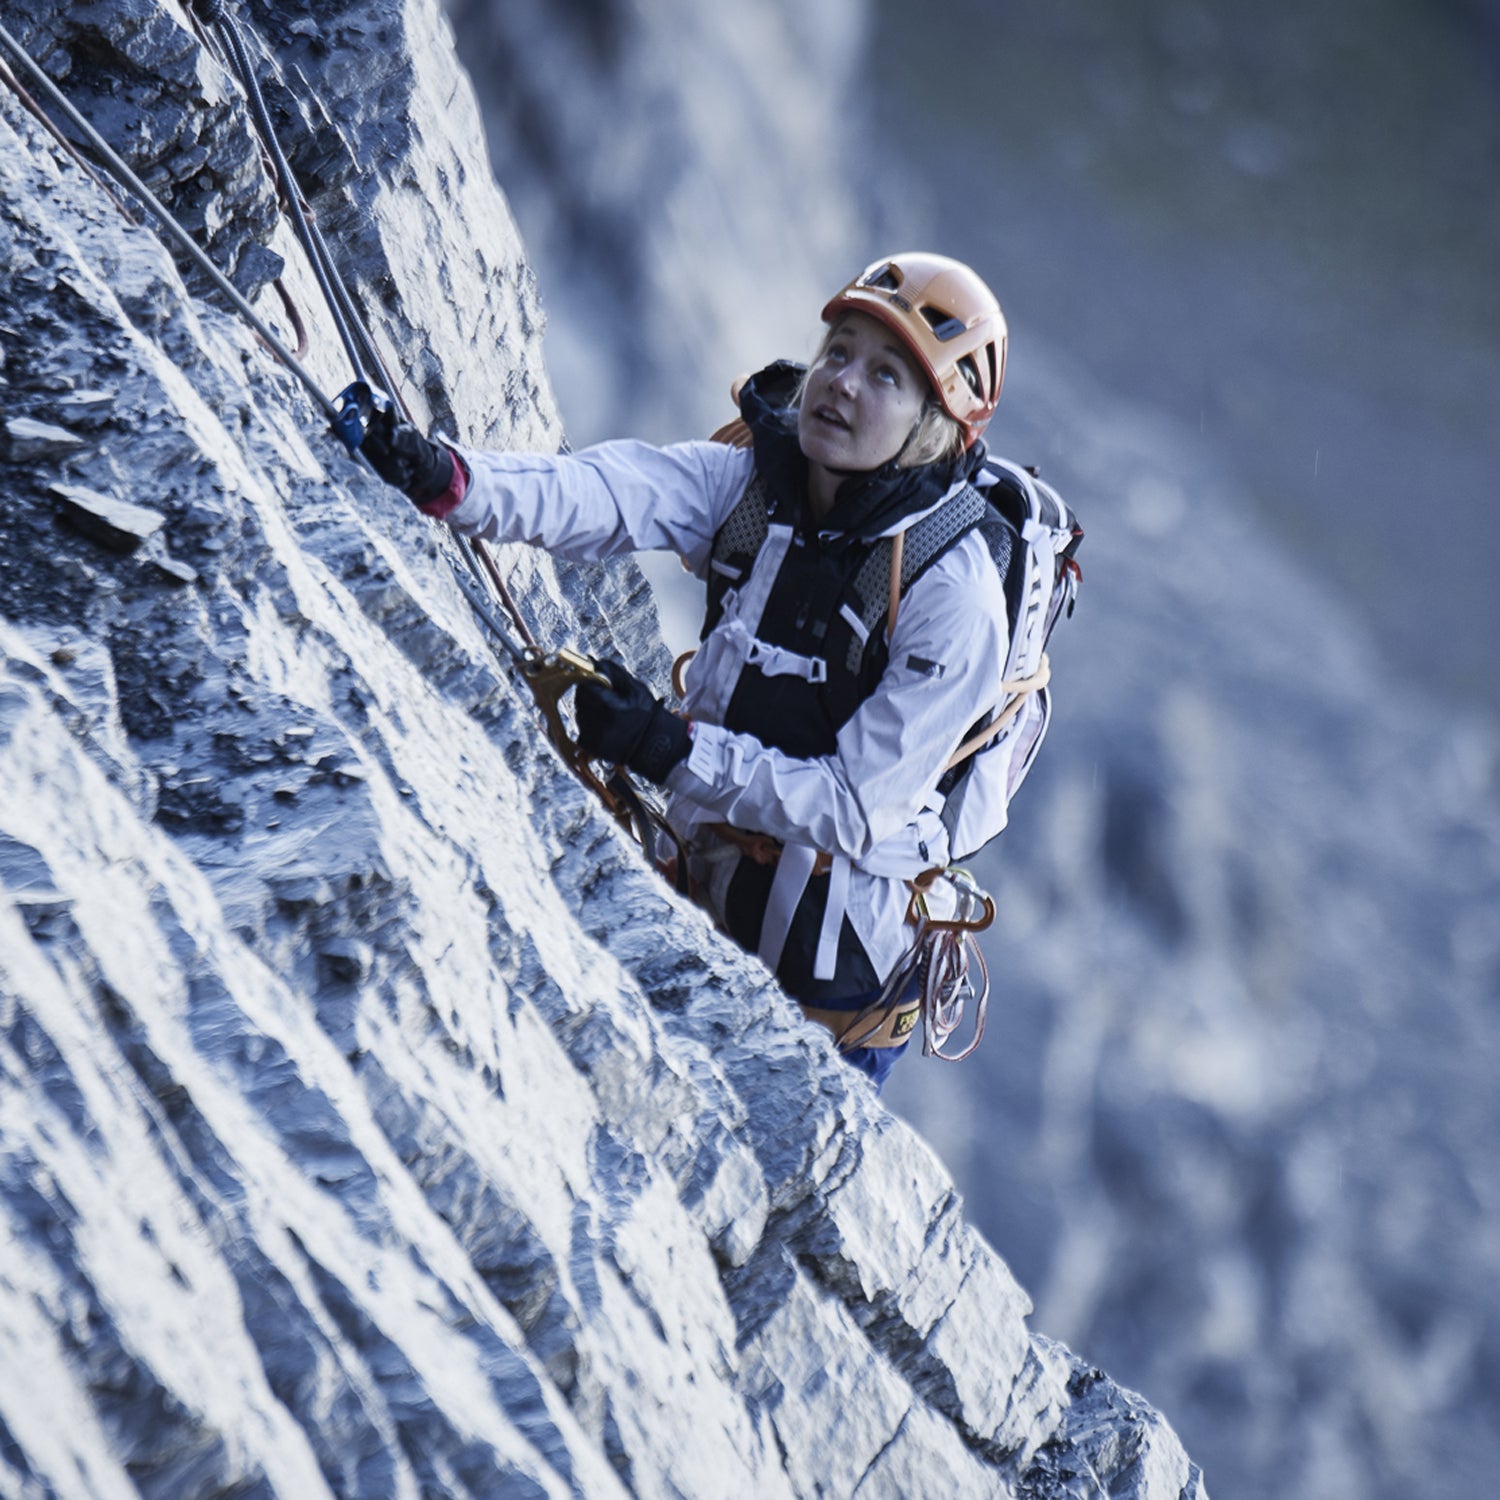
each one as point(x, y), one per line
point(862, 398)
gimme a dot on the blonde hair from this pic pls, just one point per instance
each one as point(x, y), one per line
point(937, 437)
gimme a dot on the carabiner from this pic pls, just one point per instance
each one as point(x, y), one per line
point(354, 406)
point(550, 674)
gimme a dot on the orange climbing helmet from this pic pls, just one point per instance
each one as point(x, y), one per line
point(950, 321)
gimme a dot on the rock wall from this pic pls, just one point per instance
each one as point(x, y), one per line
point(374, 1123)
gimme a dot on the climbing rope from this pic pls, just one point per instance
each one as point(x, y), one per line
point(548, 673)
point(124, 175)
point(353, 334)
point(358, 400)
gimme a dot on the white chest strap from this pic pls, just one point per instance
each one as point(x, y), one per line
point(774, 661)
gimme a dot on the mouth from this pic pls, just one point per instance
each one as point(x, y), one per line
point(829, 417)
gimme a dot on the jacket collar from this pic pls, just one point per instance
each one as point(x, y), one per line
point(867, 505)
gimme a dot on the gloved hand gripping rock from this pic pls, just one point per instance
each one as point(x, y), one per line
point(403, 457)
point(624, 723)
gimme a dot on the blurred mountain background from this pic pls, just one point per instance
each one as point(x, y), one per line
point(1234, 1121)
point(1278, 228)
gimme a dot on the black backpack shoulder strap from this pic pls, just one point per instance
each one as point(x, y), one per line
point(737, 544)
point(925, 541)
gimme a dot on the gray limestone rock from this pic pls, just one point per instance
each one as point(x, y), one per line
point(375, 1122)
point(115, 524)
point(28, 440)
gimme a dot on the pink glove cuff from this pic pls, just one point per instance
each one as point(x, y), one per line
point(440, 507)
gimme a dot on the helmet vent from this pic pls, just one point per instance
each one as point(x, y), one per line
point(970, 372)
point(943, 324)
point(884, 280)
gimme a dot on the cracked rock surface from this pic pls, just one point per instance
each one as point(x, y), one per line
point(373, 1122)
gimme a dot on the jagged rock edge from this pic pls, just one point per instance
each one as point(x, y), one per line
point(797, 1191)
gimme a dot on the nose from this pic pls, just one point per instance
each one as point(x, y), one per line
point(844, 379)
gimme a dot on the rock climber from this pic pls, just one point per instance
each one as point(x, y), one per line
point(803, 772)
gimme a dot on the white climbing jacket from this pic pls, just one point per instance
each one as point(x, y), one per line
point(873, 805)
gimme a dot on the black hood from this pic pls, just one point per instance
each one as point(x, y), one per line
point(866, 504)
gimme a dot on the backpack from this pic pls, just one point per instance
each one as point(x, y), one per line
point(1033, 538)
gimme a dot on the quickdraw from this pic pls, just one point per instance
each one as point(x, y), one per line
point(947, 949)
point(548, 674)
point(932, 981)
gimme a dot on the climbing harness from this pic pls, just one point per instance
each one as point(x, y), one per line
point(932, 983)
point(549, 674)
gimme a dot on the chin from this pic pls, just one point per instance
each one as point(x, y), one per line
point(819, 448)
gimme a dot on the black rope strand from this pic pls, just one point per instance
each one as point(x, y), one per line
point(124, 174)
point(321, 263)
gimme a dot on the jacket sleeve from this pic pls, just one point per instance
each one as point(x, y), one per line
point(605, 500)
point(946, 665)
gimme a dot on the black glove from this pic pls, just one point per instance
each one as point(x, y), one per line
point(404, 458)
point(625, 724)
